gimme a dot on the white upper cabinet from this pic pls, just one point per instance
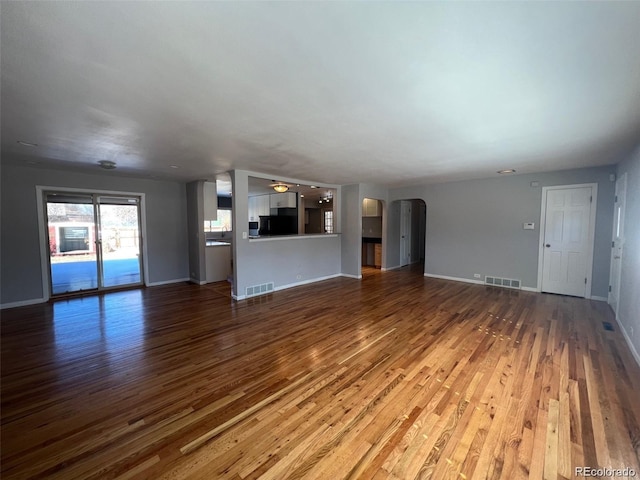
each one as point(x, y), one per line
point(371, 208)
point(210, 201)
point(283, 200)
point(259, 206)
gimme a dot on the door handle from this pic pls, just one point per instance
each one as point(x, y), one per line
point(547, 245)
point(617, 257)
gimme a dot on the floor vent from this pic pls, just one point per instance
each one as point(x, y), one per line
point(259, 289)
point(608, 326)
point(502, 282)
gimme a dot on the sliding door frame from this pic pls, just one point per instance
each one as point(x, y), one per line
point(42, 190)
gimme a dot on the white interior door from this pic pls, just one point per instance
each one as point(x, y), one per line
point(567, 240)
point(617, 244)
point(405, 233)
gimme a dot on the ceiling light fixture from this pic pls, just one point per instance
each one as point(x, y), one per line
point(174, 166)
point(107, 164)
point(506, 170)
point(27, 144)
point(280, 187)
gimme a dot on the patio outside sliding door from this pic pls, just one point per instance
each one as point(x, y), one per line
point(120, 259)
point(94, 241)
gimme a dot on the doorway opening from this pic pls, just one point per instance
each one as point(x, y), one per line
point(412, 232)
point(93, 241)
point(372, 238)
point(617, 243)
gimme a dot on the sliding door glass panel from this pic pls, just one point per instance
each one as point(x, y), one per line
point(120, 241)
point(72, 243)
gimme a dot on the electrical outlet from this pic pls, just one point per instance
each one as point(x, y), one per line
point(476, 275)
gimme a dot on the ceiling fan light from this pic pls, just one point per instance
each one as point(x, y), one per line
point(107, 164)
point(280, 188)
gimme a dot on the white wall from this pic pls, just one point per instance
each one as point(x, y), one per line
point(629, 306)
point(475, 226)
point(20, 269)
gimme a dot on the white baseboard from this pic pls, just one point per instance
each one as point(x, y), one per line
point(306, 282)
point(296, 284)
point(626, 336)
point(386, 269)
point(599, 299)
point(197, 282)
point(348, 275)
point(530, 289)
point(455, 279)
point(167, 282)
point(22, 303)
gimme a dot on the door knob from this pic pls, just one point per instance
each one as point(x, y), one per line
point(547, 245)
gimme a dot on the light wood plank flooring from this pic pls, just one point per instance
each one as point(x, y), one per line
point(396, 376)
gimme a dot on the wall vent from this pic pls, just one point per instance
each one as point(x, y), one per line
point(259, 289)
point(502, 282)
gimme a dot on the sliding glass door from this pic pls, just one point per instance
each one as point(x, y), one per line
point(94, 241)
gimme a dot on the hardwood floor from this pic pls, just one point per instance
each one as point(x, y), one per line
point(396, 376)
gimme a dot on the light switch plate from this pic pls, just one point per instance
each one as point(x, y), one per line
point(244, 235)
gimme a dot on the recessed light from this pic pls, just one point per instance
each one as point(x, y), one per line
point(107, 164)
point(27, 144)
point(506, 170)
point(174, 166)
point(313, 186)
point(301, 196)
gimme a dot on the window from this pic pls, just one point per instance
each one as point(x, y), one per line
point(328, 221)
point(222, 224)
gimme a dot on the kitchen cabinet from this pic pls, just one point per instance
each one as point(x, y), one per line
point(371, 208)
point(283, 200)
point(377, 261)
point(218, 262)
point(210, 201)
point(259, 205)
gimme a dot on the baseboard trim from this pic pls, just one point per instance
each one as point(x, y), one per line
point(386, 269)
point(22, 303)
point(168, 282)
point(348, 275)
point(477, 282)
point(455, 279)
point(530, 289)
point(306, 282)
point(291, 285)
point(599, 299)
point(627, 338)
point(197, 282)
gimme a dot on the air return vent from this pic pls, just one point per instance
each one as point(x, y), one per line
point(502, 282)
point(259, 289)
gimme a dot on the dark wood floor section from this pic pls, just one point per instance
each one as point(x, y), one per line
point(395, 376)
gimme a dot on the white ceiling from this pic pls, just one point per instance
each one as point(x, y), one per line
point(390, 93)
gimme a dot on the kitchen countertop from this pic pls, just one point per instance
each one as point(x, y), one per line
point(217, 243)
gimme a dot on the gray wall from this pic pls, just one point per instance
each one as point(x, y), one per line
point(351, 238)
point(195, 230)
point(629, 306)
point(475, 226)
point(20, 269)
point(283, 261)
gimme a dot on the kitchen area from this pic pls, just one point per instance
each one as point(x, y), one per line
point(371, 233)
point(209, 214)
point(278, 208)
